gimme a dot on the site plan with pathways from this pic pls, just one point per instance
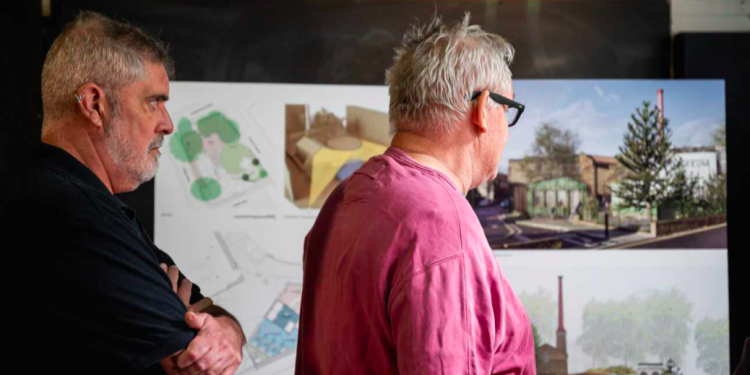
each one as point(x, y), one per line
point(214, 164)
point(262, 289)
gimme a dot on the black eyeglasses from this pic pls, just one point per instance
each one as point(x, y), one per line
point(515, 109)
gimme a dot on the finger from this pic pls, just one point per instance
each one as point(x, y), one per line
point(230, 370)
point(164, 267)
point(196, 321)
point(201, 305)
point(230, 363)
point(184, 291)
point(194, 352)
point(210, 363)
point(174, 275)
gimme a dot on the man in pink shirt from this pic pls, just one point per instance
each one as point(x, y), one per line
point(398, 275)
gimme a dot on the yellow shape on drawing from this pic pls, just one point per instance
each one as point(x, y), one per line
point(327, 162)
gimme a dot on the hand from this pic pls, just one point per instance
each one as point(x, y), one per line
point(185, 289)
point(216, 350)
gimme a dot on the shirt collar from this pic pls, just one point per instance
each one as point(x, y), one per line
point(403, 157)
point(52, 157)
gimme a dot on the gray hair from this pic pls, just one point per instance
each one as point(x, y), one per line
point(436, 69)
point(94, 48)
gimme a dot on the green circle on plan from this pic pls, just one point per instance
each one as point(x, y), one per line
point(206, 189)
point(184, 125)
point(216, 122)
point(186, 146)
point(232, 156)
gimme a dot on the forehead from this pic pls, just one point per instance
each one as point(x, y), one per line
point(155, 82)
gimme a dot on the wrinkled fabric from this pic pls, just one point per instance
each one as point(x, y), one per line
point(399, 279)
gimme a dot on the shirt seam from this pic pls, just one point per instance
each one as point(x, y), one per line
point(466, 318)
point(413, 275)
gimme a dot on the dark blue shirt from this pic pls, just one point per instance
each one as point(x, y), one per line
point(93, 298)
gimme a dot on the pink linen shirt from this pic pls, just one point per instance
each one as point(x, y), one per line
point(399, 279)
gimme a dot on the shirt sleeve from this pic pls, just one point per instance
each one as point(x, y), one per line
point(113, 304)
point(451, 318)
point(195, 294)
point(429, 320)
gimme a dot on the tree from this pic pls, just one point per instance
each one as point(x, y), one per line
point(630, 336)
point(712, 341)
point(541, 307)
point(537, 343)
point(636, 328)
point(683, 191)
point(648, 156)
point(720, 135)
point(599, 326)
point(554, 154)
point(671, 368)
point(667, 318)
point(715, 200)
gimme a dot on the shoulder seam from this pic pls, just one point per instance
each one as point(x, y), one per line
point(458, 219)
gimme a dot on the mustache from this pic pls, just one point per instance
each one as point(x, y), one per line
point(156, 142)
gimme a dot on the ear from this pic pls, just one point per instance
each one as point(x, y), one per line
point(92, 103)
point(480, 112)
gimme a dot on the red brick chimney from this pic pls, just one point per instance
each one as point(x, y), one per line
point(561, 334)
point(661, 103)
point(661, 111)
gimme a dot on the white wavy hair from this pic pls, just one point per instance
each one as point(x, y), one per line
point(436, 69)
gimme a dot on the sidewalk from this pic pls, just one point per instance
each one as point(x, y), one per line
point(617, 237)
point(559, 225)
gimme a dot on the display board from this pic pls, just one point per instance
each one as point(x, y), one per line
point(351, 43)
point(244, 174)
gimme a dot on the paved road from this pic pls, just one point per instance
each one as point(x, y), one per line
point(710, 239)
point(501, 230)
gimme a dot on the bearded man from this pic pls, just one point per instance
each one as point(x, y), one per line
point(99, 297)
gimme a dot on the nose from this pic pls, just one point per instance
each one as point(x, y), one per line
point(167, 125)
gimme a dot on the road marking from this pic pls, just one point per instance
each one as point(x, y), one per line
point(520, 235)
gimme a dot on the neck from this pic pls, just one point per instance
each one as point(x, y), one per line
point(439, 154)
point(78, 143)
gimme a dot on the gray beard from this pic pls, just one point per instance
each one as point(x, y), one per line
point(138, 168)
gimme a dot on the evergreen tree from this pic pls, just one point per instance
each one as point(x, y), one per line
point(647, 155)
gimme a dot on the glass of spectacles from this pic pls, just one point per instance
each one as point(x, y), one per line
point(515, 109)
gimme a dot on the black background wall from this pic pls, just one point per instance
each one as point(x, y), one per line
point(344, 42)
point(727, 56)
